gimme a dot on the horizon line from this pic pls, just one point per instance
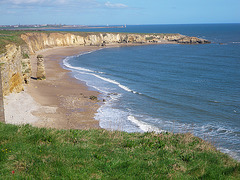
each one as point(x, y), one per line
point(116, 24)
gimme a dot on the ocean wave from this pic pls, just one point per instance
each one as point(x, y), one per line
point(231, 134)
point(114, 119)
point(233, 154)
point(95, 73)
point(214, 101)
point(66, 63)
point(113, 82)
point(117, 83)
point(144, 126)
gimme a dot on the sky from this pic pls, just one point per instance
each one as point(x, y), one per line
point(118, 12)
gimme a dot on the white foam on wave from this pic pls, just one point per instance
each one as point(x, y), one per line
point(109, 117)
point(65, 63)
point(99, 72)
point(231, 153)
point(115, 82)
point(216, 130)
point(91, 72)
point(113, 118)
point(144, 126)
point(100, 89)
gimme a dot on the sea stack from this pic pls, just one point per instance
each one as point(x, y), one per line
point(41, 75)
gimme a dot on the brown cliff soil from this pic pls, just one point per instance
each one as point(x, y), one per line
point(16, 83)
point(70, 98)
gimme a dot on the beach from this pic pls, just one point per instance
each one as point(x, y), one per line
point(60, 101)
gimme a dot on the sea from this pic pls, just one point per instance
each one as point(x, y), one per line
point(169, 87)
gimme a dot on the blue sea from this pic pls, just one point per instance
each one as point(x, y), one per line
point(169, 87)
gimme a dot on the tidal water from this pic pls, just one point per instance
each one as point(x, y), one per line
point(170, 87)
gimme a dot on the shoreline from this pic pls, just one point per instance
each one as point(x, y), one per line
point(60, 101)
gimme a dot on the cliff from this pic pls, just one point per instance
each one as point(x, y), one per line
point(15, 69)
point(15, 63)
point(38, 41)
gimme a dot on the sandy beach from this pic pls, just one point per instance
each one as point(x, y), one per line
point(60, 101)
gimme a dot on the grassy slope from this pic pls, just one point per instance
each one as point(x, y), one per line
point(99, 154)
point(9, 37)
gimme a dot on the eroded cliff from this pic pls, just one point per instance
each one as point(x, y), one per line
point(15, 69)
point(37, 41)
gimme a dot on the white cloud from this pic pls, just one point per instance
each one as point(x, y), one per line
point(25, 1)
point(19, 2)
point(51, 3)
point(64, 5)
point(115, 5)
point(10, 12)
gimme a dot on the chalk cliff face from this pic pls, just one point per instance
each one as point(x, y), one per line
point(11, 70)
point(38, 41)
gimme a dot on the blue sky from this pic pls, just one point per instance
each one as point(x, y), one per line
point(102, 12)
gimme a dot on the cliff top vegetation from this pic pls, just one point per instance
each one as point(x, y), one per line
point(38, 153)
point(11, 36)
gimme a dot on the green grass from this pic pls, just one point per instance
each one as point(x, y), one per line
point(10, 37)
point(38, 153)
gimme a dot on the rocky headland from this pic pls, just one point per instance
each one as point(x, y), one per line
point(38, 41)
